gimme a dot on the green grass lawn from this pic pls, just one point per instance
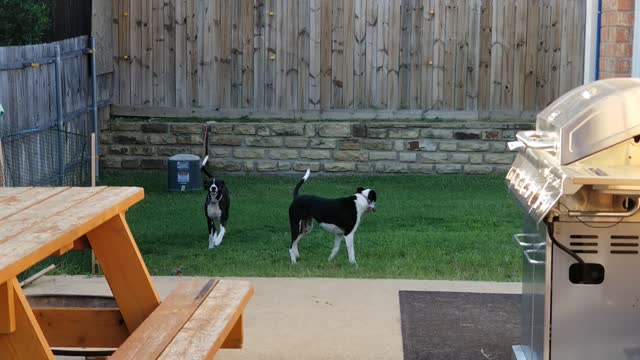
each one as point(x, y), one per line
point(425, 227)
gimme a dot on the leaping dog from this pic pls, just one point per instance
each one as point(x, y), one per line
point(340, 216)
point(216, 206)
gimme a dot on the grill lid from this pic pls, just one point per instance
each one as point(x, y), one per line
point(587, 120)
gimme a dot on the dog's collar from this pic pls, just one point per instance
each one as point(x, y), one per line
point(366, 198)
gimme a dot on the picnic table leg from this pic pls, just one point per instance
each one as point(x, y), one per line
point(125, 271)
point(25, 340)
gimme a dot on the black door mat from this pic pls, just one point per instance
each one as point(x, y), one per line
point(459, 326)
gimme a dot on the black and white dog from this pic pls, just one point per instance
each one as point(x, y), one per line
point(216, 206)
point(339, 216)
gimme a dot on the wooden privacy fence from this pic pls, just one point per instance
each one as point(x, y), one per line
point(471, 55)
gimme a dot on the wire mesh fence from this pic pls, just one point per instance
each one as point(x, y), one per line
point(46, 157)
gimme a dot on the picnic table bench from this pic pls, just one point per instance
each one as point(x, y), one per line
point(198, 318)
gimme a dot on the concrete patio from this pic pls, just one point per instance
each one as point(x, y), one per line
point(311, 318)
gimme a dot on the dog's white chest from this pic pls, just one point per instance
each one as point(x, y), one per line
point(214, 212)
point(332, 228)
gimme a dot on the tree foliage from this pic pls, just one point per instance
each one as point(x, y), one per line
point(23, 21)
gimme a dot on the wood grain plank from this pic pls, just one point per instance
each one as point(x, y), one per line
point(303, 57)
point(157, 331)
point(315, 36)
point(337, 55)
point(27, 248)
point(115, 250)
point(326, 46)
point(28, 341)
point(520, 52)
point(159, 71)
point(217, 78)
point(247, 53)
point(180, 53)
point(136, 32)
point(405, 68)
point(169, 51)
point(201, 337)
point(82, 327)
point(260, 53)
point(543, 50)
point(291, 53)
point(531, 58)
point(565, 52)
point(497, 53)
point(349, 53)
point(46, 203)
point(360, 55)
point(462, 48)
point(191, 18)
point(236, 56)
point(393, 74)
point(554, 48)
point(383, 54)
point(147, 45)
point(124, 44)
point(451, 18)
point(204, 52)
point(484, 78)
point(417, 55)
point(439, 40)
point(281, 53)
point(371, 96)
point(507, 67)
point(15, 200)
point(271, 42)
point(473, 56)
point(7, 308)
point(426, 57)
point(225, 68)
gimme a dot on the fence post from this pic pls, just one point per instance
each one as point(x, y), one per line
point(94, 104)
point(59, 112)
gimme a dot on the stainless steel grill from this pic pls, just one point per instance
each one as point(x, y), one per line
point(577, 178)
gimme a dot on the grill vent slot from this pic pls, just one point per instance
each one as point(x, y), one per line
point(580, 236)
point(581, 251)
point(625, 252)
point(625, 237)
point(584, 244)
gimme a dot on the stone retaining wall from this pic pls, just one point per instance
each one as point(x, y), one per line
point(329, 147)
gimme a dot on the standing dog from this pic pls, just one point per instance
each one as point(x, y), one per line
point(216, 207)
point(339, 216)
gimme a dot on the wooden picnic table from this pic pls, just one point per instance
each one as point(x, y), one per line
point(193, 322)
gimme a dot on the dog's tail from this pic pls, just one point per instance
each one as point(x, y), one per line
point(299, 184)
point(203, 166)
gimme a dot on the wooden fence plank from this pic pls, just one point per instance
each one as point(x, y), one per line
point(371, 91)
point(247, 53)
point(508, 51)
point(497, 53)
point(159, 75)
point(461, 49)
point(303, 58)
point(520, 52)
point(427, 56)
point(180, 53)
point(565, 47)
point(383, 53)
point(484, 78)
point(191, 18)
point(449, 52)
point(169, 51)
point(135, 27)
point(326, 46)
point(349, 52)
point(217, 79)
point(415, 98)
point(315, 36)
point(404, 67)
point(360, 55)
point(291, 53)
point(124, 41)
point(337, 55)
point(542, 75)
point(147, 52)
point(439, 39)
point(473, 56)
point(393, 75)
point(260, 54)
point(236, 55)
point(281, 69)
point(270, 47)
point(225, 70)
point(531, 58)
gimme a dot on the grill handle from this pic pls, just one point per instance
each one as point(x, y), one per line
point(530, 260)
point(532, 139)
point(518, 239)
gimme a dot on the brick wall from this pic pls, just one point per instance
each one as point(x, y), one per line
point(616, 37)
point(330, 147)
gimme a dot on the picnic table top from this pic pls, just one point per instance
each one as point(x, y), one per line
point(36, 222)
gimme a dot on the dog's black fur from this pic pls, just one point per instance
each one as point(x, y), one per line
point(216, 207)
point(340, 216)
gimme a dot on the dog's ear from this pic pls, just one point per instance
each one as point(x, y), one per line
point(359, 189)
